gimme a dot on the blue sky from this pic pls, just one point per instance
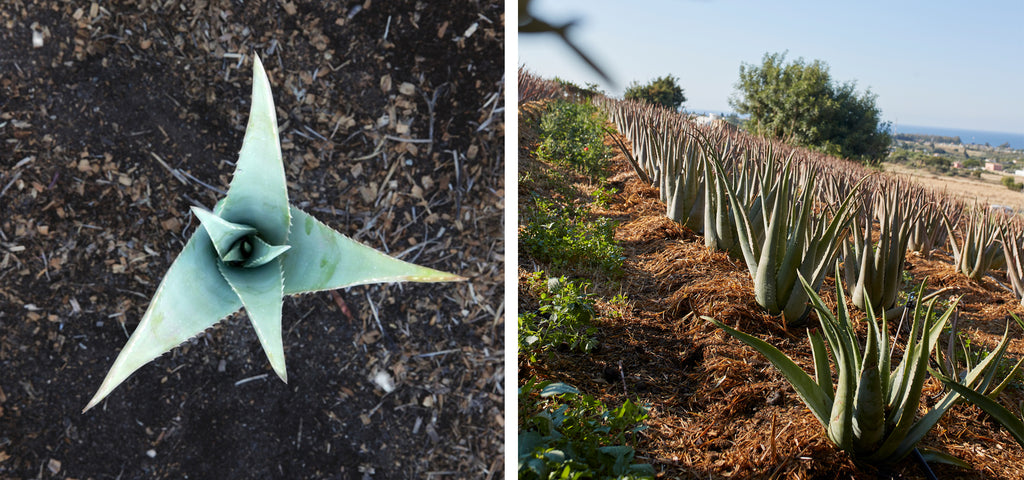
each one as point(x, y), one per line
point(945, 64)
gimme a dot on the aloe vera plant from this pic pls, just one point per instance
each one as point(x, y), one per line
point(1012, 236)
point(874, 271)
point(986, 400)
point(250, 251)
point(871, 410)
point(793, 240)
point(979, 250)
point(927, 232)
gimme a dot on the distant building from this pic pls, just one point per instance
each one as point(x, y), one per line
point(993, 166)
point(1019, 173)
point(958, 164)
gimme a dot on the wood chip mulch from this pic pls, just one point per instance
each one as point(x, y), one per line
point(718, 409)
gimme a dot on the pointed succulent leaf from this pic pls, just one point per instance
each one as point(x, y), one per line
point(261, 291)
point(812, 395)
point(191, 298)
point(258, 195)
point(1005, 417)
point(323, 259)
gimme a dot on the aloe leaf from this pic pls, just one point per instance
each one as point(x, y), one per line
point(812, 395)
point(323, 259)
point(192, 297)
point(260, 289)
point(262, 252)
point(258, 195)
point(868, 417)
point(1006, 418)
point(934, 456)
point(822, 372)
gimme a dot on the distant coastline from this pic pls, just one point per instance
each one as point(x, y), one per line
point(978, 137)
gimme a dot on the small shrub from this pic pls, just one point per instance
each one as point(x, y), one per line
point(566, 434)
point(1008, 182)
point(565, 235)
point(562, 321)
point(573, 134)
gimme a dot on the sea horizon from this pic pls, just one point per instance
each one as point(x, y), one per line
point(977, 137)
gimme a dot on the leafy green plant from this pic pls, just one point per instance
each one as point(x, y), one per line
point(926, 231)
point(565, 235)
point(564, 434)
point(573, 134)
point(871, 410)
point(250, 251)
point(563, 319)
point(603, 195)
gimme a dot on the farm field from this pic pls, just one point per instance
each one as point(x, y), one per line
point(986, 190)
point(717, 408)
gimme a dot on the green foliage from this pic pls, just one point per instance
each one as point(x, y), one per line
point(871, 411)
point(799, 102)
point(562, 321)
point(1009, 182)
point(566, 235)
point(587, 91)
point(603, 195)
point(564, 434)
point(979, 250)
point(664, 91)
point(782, 236)
point(573, 134)
point(986, 399)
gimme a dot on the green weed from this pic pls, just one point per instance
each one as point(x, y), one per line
point(562, 321)
point(566, 235)
point(568, 435)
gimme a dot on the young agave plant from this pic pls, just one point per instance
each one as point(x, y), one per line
point(250, 251)
point(871, 411)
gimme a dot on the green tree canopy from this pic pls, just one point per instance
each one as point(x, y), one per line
point(800, 103)
point(664, 91)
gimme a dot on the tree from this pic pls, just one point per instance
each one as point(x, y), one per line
point(800, 103)
point(664, 91)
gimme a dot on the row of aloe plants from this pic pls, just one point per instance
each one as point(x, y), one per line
point(674, 153)
point(757, 200)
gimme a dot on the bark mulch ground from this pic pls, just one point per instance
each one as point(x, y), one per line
point(124, 115)
point(718, 409)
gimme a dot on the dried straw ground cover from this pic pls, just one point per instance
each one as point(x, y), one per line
point(718, 409)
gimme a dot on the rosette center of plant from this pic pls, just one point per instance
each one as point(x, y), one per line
point(237, 244)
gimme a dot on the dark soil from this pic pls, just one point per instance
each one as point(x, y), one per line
point(131, 112)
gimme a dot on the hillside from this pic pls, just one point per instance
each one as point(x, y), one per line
point(718, 409)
